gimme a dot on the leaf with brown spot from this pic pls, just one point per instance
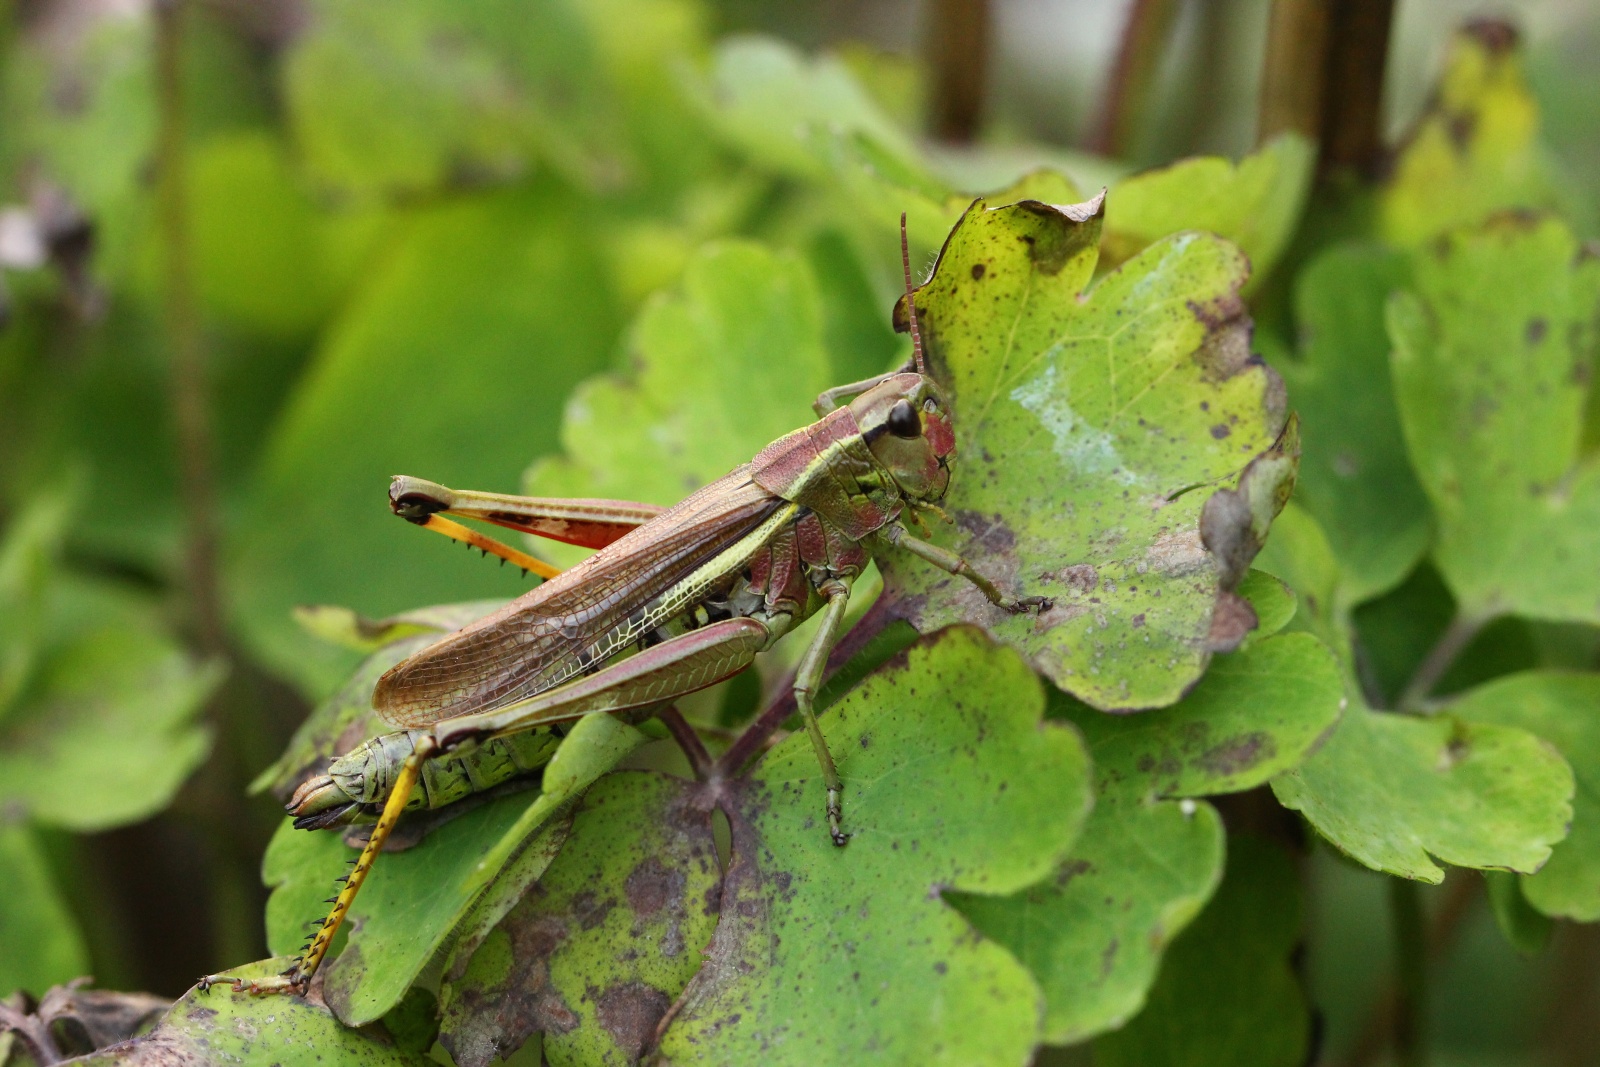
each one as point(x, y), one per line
point(598, 949)
point(1086, 453)
point(221, 1026)
point(850, 955)
point(1493, 414)
point(1093, 933)
point(420, 901)
point(1475, 149)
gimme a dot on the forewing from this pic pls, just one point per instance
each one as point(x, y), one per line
point(548, 635)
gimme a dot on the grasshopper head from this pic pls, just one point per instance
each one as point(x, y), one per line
point(906, 422)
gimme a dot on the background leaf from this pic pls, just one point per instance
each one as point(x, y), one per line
point(1254, 203)
point(1560, 708)
point(1475, 149)
point(1227, 994)
point(1493, 355)
point(510, 285)
point(40, 945)
point(1354, 477)
point(105, 733)
point(1475, 796)
point(426, 91)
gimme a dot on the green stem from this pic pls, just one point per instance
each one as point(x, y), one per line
point(1133, 75)
point(1454, 641)
point(1352, 93)
point(1411, 960)
point(958, 58)
point(190, 386)
point(1293, 72)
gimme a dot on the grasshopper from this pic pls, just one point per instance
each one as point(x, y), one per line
point(675, 600)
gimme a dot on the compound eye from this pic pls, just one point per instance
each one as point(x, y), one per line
point(903, 421)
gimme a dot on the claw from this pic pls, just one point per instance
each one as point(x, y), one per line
point(835, 816)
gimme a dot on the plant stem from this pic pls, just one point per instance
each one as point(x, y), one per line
point(1352, 91)
point(189, 379)
point(1144, 41)
point(1294, 71)
point(688, 740)
point(958, 56)
point(753, 739)
point(1455, 639)
point(1411, 961)
point(1460, 891)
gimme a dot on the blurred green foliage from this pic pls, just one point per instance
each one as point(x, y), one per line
point(599, 248)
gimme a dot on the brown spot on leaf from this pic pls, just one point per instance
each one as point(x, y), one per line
point(1231, 620)
point(1081, 578)
point(651, 886)
point(1220, 430)
point(629, 1012)
point(590, 910)
point(989, 531)
point(978, 271)
point(1497, 35)
point(1536, 330)
point(1070, 870)
point(1238, 754)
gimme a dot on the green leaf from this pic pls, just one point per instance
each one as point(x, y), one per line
point(1476, 148)
point(1091, 430)
point(1093, 933)
point(1273, 602)
point(1493, 356)
point(1560, 708)
point(1389, 789)
point(39, 942)
point(265, 255)
point(785, 110)
point(1355, 477)
point(407, 98)
point(830, 955)
point(597, 951)
point(224, 1027)
point(723, 368)
point(106, 732)
point(27, 564)
point(1255, 714)
point(810, 120)
point(511, 289)
point(1228, 995)
point(1527, 928)
point(1254, 203)
point(416, 900)
point(1298, 553)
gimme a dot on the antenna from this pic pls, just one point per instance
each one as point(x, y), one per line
point(911, 304)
